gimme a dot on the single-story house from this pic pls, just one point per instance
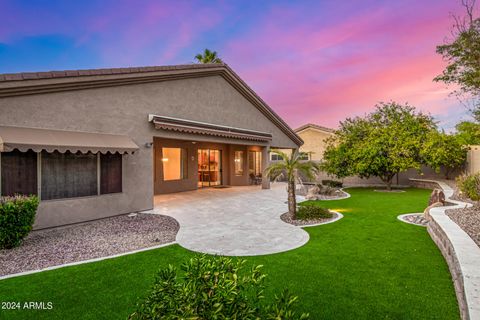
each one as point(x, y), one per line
point(97, 143)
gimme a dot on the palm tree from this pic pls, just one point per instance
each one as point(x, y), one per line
point(208, 56)
point(290, 167)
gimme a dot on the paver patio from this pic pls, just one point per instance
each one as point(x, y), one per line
point(236, 221)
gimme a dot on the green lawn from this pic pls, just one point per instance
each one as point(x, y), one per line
point(368, 265)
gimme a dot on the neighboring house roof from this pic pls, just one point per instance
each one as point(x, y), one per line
point(55, 81)
point(314, 126)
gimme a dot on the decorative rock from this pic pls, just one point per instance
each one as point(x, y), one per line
point(414, 218)
point(437, 196)
point(312, 193)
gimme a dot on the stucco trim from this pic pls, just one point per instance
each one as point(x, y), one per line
point(57, 81)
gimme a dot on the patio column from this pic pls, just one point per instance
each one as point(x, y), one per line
point(265, 163)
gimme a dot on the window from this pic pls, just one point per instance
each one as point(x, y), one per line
point(110, 173)
point(276, 157)
point(174, 162)
point(255, 163)
point(304, 156)
point(238, 163)
point(68, 175)
point(19, 173)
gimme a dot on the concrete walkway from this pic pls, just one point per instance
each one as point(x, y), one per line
point(236, 221)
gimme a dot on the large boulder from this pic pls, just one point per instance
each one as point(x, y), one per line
point(437, 196)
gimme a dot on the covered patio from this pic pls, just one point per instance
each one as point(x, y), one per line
point(234, 221)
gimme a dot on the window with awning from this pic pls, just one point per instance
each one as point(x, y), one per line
point(24, 139)
point(57, 164)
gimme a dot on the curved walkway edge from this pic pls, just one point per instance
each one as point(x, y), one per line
point(460, 251)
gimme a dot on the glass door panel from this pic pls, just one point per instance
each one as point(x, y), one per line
point(209, 167)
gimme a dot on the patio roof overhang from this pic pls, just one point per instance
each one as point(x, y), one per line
point(36, 139)
point(210, 129)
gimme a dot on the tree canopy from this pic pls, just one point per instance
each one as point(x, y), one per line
point(381, 144)
point(441, 150)
point(208, 56)
point(462, 55)
point(468, 133)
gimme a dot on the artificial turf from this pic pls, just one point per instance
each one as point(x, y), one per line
point(368, 265)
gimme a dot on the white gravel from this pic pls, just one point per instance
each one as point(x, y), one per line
point(95, 239)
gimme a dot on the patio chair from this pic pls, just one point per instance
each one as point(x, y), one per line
point(255, 179)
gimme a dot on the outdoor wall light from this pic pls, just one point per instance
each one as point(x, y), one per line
point(148, 144)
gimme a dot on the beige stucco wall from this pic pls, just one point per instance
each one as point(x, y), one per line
point(124, 110)
point(473, 160)
point(314, 142)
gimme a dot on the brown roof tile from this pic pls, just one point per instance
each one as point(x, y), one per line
point(104, 71)
point(315, 126)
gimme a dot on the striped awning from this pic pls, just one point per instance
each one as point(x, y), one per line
point(35, 139)
point(203, 128)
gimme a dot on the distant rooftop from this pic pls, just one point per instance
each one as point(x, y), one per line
point(314, 126)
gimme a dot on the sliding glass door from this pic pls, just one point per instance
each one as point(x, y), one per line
point(209, 167)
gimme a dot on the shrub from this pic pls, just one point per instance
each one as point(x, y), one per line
point(469, 185)
point(332, 183)
point(311, 211)
point(213, 288)
point(17, 215)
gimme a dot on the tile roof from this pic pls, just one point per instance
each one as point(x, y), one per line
point(96, 72)
point(314, 126)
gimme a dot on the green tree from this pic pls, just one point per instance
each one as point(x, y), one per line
point(442, 150)
point(381, 144)
point(462, 55)
point(208, 56)
point(468, 133)
point(290, 167)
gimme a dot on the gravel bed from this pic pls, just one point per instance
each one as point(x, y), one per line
point(418, 219)
point(468, 219)
point(95, 239)
point(287, 217)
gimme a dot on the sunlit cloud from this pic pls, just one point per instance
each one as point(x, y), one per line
point(312, 61)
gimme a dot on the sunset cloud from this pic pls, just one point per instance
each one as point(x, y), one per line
point(312, 61)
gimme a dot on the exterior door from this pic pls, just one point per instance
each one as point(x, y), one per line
point(209, 167)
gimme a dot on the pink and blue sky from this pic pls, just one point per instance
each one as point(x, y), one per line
point(312, 61)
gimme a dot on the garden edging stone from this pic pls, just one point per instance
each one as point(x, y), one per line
point(460, 251)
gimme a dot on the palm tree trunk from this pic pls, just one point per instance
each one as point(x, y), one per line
point(292, 202)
